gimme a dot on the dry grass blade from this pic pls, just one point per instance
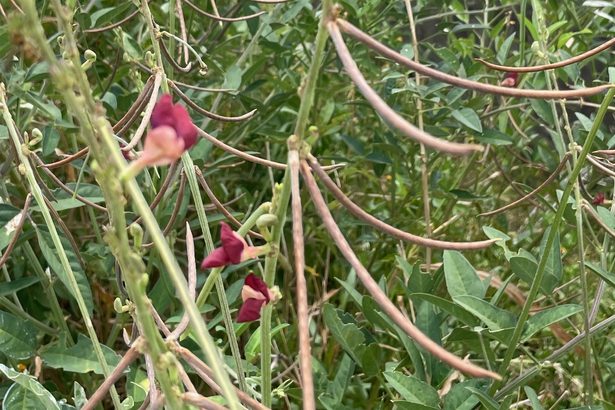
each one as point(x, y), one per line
point(387, 112)
point(379, 296)
point(380, 48)
point(386, 228)
point(533, 193)
point(18, 228)
point(589, 53)
point(305, 354)
point(147, 114)
point(102, 390)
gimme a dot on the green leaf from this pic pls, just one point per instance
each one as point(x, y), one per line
point(6, 288)
point(17, 337)
point(553, 268)
point(460, 397)
point(253, 347)
point(547, 317)
point(232, 78)
point(461, 278)
point(44, 399)
point(485, 399)
point(492, 316)
point(504, 48)
point(447, 306)
point(79, 358)
point(608, 277)
point(469, 118)
point(336, 388)
point(606, 216)
point(347, 335)
point(412, 389)
point(534, 400)
point(494, 137)
point(51, 137)
point(49, 253)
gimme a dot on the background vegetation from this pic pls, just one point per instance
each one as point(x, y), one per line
point(361, 359)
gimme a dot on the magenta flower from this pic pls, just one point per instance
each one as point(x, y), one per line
point(598, 199)
point(510, 80)
point(234, 250)
point(255, 294)
point(171, 134)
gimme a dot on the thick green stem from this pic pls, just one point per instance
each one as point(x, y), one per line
point(279, 207)
point(536, 282)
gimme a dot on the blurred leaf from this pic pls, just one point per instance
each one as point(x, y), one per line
point(79, 358)
point(17, 337)
point(7, 288)
point(253, 347)
point(49, 253)
point(40, 396)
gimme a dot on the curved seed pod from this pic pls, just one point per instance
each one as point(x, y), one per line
point(380, 48)
point(531, 69)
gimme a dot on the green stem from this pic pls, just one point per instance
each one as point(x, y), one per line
point(19, 312)
point(536, 282)
point(282, 198)
point(279, 207)
point(209, 246)
point(40, 201)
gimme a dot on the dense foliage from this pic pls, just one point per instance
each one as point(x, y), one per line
point(470, 302)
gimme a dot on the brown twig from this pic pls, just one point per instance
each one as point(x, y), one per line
point(135, 109)
point(462, 82)
point(374, 289)
point(113, 25)
point(305, 355)
point(129, 357)
point(163, 189)
point(182, 28)
point(185, 320)
point(386, 228)
point(175, 211)
point(391, 117)
point(18, 228)
point(65, 188)
point(220, 18)
point(209, 114)
point(205, 373)
point(201, 402)
point(172, 61)
point(533, 193)
point(543, 67)
point(219, 205)
point(240, 154)
point(600, 166)
point(147, 114)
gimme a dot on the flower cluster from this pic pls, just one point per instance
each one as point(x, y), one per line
point(172, 133)
point(234, 249)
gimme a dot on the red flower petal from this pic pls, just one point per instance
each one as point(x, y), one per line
point(250, 310)
point(186, 130)
point(598, 199)
point(215, 259)
point(163, 112)
point(257, 284)
point(232, 245)
point(162, 146)
point(175, 116)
